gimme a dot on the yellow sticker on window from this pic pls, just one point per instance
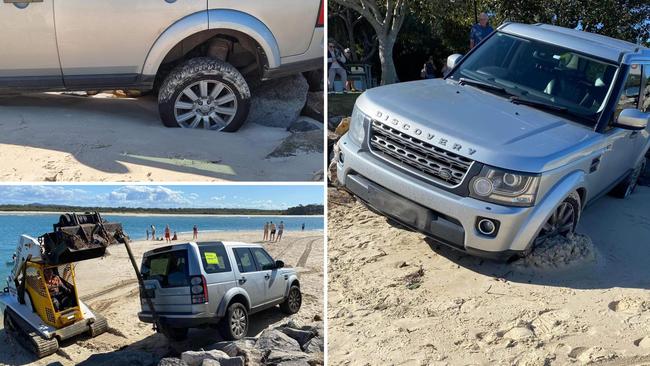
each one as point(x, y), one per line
point(211, 258)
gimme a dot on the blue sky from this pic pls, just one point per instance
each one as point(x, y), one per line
point(157, 196)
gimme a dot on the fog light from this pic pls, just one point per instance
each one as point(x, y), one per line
point(487, 227)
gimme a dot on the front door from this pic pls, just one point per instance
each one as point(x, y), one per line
point(276, 284)
point(249, 278)
point(28, 52)
point(106, 42)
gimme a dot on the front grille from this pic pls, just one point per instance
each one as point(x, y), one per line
point(424, 159)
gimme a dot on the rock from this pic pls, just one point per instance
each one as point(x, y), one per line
point(332, 169)
point(304, 124)
point(135, 358)
point(196, 358)
point(281, 357)
point(171, 361)
point(243, 348)
point(643, 342)
point(273, 339)
point(519, 333)
point(277, 103)
point(311, 141)
point(301, 336)
point(315, 79)
point(209, 362)
point(333, 122)
point(314, 106)
point(343, 127)
point(314, 345)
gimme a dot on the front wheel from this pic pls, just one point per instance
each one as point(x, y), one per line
point(235, 325)
point(292, 303)
point(204, 93)
point(562, 222)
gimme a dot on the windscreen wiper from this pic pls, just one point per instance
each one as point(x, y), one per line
point(535, 103)
point(482, 84)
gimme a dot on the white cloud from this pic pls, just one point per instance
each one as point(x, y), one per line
point(149, 196)
point(218, 198)
point(40, 194)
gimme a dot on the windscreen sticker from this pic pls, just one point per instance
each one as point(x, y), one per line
point(211, 258)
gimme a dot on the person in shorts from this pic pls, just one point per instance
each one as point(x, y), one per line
point(280, 231)
point(168, 234)
point(266, 231)
point(272, 237)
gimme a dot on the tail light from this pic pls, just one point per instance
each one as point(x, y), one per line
point(199, 290)
point(321, 15)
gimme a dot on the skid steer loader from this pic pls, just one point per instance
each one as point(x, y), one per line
point(42, 305)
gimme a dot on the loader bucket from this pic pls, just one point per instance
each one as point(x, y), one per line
point(79, 237)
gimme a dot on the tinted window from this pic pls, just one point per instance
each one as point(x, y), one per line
point(214, 257)
point(169, 269)
point(263, 259)
point(245, 261)
point(645, 107)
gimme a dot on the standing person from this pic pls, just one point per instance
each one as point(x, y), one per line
point(168, 234)
point(429, 69)
point(272, 227)
point(280, 231)
point(266, 231)
point(153, 232)
point(303, 226)
point(479, 31)
point(336, 66)
point(195, 233)
point(147, 233)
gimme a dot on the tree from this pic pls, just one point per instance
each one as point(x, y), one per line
point(386, 18)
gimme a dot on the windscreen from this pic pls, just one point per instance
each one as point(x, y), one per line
point(528, 69)
point(170, 269)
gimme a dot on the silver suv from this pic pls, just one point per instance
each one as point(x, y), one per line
point(200, 54)
point(507, 150)
point(213, 284)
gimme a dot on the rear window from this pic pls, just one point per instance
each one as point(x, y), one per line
point(214, 257)
point(170, 269)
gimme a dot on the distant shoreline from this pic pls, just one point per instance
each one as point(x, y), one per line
point(5, 213)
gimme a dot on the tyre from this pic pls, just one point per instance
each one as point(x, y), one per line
point(175, 334)
point(293, 301)
point(562, 222)
point(204, 93)
point(234, 325)
point(628, 185)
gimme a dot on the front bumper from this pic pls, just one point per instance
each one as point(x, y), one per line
point(446, 217)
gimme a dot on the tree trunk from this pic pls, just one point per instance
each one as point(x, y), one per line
point(388, 72)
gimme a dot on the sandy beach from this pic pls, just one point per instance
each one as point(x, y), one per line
point(109, 286)
point(398, 299)
point(53, 137)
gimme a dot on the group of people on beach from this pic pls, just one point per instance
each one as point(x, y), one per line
point(273, 233)
point(168, 238)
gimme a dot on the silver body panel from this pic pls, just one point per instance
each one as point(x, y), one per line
point(260, 292)
point(491, 130)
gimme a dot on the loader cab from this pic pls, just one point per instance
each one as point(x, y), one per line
point(52, 292)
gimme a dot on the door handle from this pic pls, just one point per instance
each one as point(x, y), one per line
point(267, 276)
point(242, 280)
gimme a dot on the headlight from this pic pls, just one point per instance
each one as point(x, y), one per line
point(356, 131)
point(504, 187)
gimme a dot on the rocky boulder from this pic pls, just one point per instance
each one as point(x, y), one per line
point(278, 103)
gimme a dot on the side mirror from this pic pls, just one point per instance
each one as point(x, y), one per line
point(279, 264)
point(453, 60)
point(632, 119)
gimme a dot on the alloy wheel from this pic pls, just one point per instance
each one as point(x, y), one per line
point(209, 104)
point(295, 300)
point(562, 222)
point(238, 322)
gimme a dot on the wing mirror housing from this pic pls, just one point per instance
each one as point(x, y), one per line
point(452, 60)
point(632, 119)
point(279, 264)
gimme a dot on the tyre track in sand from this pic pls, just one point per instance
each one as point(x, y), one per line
point(305, 254)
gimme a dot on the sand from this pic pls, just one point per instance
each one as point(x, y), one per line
point(53, 137)
point(397, 299)
point(109, 286)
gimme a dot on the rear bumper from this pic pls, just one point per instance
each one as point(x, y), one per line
point(181, 320)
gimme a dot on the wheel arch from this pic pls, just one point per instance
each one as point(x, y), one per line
point(204, 26)
point(234, 295)
point(293, 280)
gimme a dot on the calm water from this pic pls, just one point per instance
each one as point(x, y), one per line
point(14, 225)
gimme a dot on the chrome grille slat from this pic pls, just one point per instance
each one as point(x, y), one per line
point(425, 159)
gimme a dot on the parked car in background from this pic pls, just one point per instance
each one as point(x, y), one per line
point(507, 150)
point(201, 55)
point(216, 284)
